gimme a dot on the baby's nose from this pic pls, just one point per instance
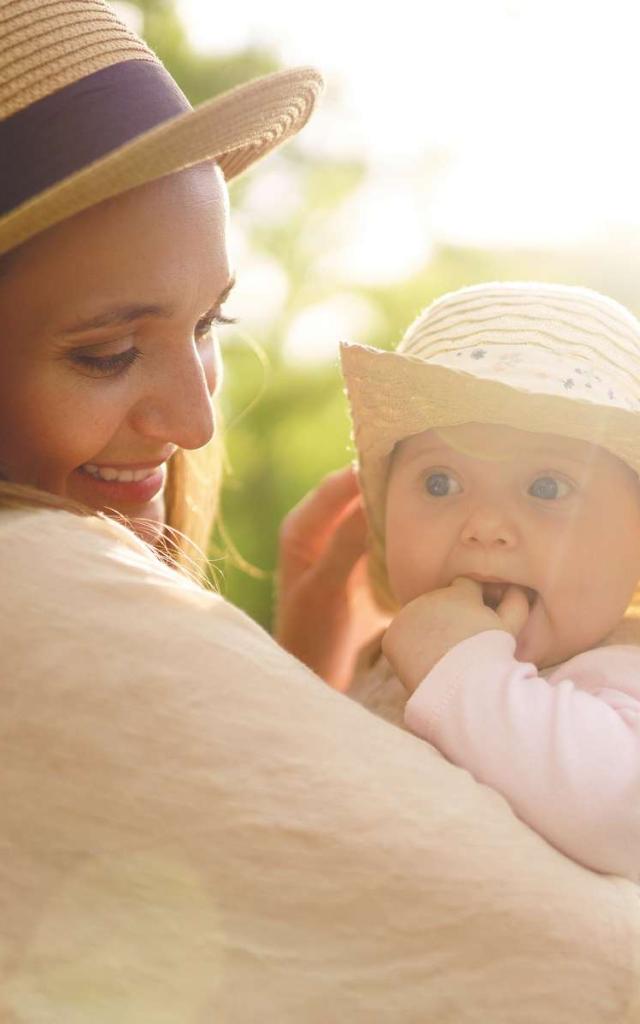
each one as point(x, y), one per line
point(489, 526)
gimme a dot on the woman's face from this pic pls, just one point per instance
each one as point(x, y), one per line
point(108, 356)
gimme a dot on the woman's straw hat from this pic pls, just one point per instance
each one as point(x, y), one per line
point(546, 358)
point(87, 111)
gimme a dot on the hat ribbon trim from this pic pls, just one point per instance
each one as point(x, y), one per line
point(71, 128)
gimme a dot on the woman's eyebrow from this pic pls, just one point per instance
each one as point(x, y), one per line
point(117, 315)
point(133, 311)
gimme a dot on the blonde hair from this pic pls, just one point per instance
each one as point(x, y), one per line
point(192, 497)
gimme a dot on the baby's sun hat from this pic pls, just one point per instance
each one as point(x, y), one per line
point(87, 111)
point(545, 358)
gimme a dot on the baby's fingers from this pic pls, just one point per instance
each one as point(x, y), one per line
point(513, 610)
point(468, 588)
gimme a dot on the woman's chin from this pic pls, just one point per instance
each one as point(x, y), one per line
point(148, 530)
point(148, 523)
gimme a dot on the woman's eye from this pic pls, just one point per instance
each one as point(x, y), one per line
point(441, 485)
point(549, 488)
point(206, 322)
point(106, 366)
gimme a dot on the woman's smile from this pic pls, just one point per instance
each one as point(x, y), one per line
point(126, 485)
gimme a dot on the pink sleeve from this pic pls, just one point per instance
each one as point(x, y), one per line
point(567, 760)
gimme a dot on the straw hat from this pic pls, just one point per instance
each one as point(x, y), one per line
point(87, 111)
point(538, 357)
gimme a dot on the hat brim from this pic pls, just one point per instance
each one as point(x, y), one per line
point(236, 129)
point(393, 396)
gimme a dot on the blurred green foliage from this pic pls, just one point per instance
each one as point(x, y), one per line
point(287, 424)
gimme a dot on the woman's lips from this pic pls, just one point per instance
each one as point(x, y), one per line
point(124, 492)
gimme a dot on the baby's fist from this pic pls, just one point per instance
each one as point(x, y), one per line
point(426, 628)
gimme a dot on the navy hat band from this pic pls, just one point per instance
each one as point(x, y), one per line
point(52, 138)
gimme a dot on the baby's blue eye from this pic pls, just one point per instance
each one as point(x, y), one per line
point(441, 485)
point(549, 488)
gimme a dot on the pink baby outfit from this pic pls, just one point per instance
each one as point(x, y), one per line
point(563, 748)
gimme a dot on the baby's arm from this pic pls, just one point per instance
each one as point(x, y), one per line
point(567, 760)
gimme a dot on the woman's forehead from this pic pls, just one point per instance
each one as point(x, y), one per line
point(193, 199)
point(163, 241)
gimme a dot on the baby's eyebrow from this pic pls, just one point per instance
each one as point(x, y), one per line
point(425, 450)
point(130, 312)
point(554, 454)
point(541, 455)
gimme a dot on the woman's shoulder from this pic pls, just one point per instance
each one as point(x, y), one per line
point(42, 547)
point(29, 529)
point(64, 572)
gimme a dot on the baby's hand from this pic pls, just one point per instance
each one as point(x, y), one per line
point(426, 628)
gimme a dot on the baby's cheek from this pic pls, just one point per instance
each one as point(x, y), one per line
point(410, 580)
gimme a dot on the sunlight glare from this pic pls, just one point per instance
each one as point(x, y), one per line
point(533, 101)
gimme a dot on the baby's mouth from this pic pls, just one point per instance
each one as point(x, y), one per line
point(493, 592)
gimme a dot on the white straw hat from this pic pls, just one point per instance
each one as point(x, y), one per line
point(539, 357)
point(87, 111)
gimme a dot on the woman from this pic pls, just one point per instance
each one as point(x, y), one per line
point(192, 826)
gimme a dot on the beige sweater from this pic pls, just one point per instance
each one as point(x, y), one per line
point(194, 829)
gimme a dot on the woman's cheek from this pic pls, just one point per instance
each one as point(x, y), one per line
point(67, 430)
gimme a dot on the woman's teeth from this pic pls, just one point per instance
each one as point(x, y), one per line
point(109, 473)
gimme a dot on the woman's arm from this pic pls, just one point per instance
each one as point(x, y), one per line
point(194, 827)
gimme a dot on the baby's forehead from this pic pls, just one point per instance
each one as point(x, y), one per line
point(498, 442)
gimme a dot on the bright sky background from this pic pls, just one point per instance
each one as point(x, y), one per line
point(487, 123)
point(533, 105)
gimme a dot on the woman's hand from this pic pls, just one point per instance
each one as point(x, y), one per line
point(325, 610)
point(426, 628)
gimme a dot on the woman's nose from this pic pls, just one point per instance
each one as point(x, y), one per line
point(489, 526)
point(177, 407)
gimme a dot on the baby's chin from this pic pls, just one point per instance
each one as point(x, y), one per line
point(539, 647)
point(536, 644)
point(527, 650)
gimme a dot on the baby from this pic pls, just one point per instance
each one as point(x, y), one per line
point(499, 450)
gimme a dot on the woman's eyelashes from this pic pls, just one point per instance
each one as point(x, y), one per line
point(115, 363)
point(106, 366)
point(215, 317)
